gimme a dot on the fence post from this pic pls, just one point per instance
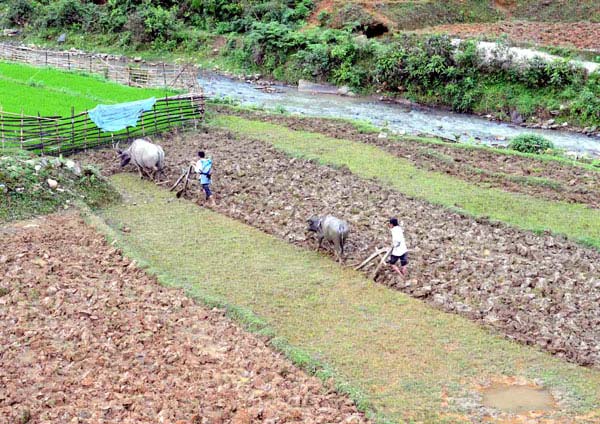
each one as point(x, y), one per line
point(69, 60)
point(46, 51)
point(58, 140)
point(72, 126)
point(2, 127)
point(41, 134)
point(194, 111)
point(168, 111)
point(143, 127)
point(181, 118)
point(164, 75)
point(155, 119)
point(22, 123)
point(85, 121)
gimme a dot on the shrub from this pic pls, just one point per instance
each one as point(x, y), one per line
point(19, 12)
point(587, 106)
point(64, 14)
point(539, 73)
point(530, 143)
point(324, 18)
point(160, 24)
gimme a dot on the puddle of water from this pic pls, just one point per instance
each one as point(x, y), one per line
point(517, 399)
point(394, 117)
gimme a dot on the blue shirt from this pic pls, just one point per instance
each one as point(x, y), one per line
point(203, 167)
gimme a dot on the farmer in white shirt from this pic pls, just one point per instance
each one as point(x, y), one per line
point(399, 250)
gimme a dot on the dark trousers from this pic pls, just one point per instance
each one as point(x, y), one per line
point(206, 188)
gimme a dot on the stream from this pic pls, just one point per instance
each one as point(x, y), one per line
point(397, 118)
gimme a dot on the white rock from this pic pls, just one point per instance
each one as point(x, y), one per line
point(52, 183)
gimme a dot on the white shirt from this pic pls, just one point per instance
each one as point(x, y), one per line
point(398, 241)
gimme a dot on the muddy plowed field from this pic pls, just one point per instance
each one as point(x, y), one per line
point(86, 336)
point(581, 35)
point(544, 179)
point(540, 290)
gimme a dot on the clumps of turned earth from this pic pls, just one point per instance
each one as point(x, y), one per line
point(551, 180)
point(87, 337)
point(540, 290)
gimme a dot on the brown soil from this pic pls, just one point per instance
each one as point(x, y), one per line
point(539, 290)
point(86, 336)
point(510, 173)
point(580, 35)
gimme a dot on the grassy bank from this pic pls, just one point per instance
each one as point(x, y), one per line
point(412, 363)
point(52, 93)
point(26, 191)
point(576, 221)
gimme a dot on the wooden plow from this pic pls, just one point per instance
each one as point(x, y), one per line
point(376, 255)
point(185, 177)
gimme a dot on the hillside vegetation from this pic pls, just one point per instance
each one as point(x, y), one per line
point(359, 44)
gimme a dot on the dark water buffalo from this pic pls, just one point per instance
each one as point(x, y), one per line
point(332, 229)
point(148, 158)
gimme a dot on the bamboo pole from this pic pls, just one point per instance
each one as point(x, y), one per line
point(168, 114)
point(85, 145)
point(2, 126)
point(73, 125)
point(181, 119)
point(58, 140)
point(155, 118)
point(22, 128)
point(41, 134)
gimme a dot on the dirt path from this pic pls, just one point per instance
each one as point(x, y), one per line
point(88, 337)
point(537, 289)
point(545, 179)
point(581, 35)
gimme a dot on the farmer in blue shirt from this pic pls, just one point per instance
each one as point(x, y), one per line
point(203, 168)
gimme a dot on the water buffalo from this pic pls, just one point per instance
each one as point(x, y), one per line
point(332, 229)
point(148, 158)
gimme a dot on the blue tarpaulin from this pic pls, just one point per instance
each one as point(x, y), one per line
point(120, 116)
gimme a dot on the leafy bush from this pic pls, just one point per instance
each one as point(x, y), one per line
point(65, 14)
point(587, 106)
point(161, 26)
point(530, 143)
point(540, 73)
point(19, 12)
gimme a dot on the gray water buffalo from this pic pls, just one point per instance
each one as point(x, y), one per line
point(148, 158)
point(332, 229)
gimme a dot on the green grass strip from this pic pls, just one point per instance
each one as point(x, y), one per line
point(576, 221)
point(52, 92)
point(399, 353)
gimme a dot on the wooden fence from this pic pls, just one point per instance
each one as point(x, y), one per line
point(121, 69)
point(56, 135)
